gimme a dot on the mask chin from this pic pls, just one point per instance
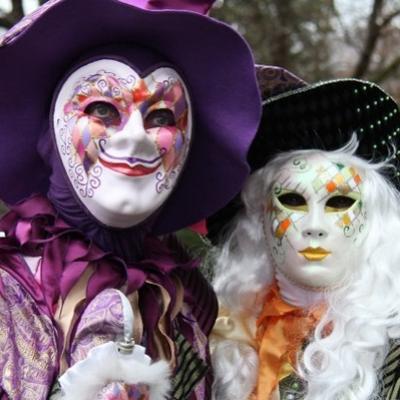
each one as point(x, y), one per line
point(129, 204)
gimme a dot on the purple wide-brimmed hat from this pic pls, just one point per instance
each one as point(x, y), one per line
point(213, 60)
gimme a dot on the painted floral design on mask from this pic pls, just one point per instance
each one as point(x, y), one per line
point(345, 181)
point(315, 216)
point(121, 133)
point(102, 104)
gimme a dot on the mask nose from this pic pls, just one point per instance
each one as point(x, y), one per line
point(132, 139)
point(314, 233)
point(313, 227)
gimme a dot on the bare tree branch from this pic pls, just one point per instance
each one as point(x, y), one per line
point(338, 16)
point(280, 51)
point(17, 8)
point(7, 20)
point(388, 71)
point(373, 32)
point(346, 34)
point(388, 19)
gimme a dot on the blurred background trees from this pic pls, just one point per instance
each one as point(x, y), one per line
point(322, 39)
point(295, 34)
point(315, 39)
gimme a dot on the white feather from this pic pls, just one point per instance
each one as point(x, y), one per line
point(105, 364)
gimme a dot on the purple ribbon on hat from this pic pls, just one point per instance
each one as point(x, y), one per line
point(199, 6)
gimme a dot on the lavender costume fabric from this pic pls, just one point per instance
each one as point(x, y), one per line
point(101, 322)
point(28, 346)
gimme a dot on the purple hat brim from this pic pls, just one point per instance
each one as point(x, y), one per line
point(214, 61)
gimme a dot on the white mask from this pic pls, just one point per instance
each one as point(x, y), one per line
point(122, 139)
point(315, 221)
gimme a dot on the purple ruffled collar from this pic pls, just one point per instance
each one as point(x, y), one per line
point(33, 228)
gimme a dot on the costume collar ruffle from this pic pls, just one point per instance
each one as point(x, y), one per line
point(33, 228)
point(282, 330)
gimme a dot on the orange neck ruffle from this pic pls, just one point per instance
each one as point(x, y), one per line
point(281, 332)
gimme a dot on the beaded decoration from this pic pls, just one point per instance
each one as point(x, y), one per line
point(325, 116)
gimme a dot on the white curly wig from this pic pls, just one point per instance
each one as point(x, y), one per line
point(363, 313)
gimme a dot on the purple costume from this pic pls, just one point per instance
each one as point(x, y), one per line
point(67, 278)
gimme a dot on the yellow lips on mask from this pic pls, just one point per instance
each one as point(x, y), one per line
point(314, 253)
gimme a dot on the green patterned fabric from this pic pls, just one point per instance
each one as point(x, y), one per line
point(199, 247)
point(190, 369)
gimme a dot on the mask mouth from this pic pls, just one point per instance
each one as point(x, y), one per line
point(130, 166)
point(126, 169)
point(314, 253)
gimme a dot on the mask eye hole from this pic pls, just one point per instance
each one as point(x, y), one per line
point(293, 201)
point(159, 118)
point(104, 111)
point(339, 203)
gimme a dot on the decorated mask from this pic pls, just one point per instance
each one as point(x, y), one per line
point(315, 221)
point(122, 138)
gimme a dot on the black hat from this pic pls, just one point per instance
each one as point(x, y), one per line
point(324, 116)
point(321, 116)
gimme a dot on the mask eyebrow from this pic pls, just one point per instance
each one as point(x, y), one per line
point(166, 93)
point(299, 190)
point(288, 185)
point(152, 99)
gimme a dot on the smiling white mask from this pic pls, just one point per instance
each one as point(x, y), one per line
point(315, 221)
point(123, 139)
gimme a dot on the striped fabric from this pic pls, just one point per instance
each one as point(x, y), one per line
point(391, 374)
point(202, 298)
point(191, 369)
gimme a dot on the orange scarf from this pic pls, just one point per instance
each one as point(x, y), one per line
point(281, 332)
